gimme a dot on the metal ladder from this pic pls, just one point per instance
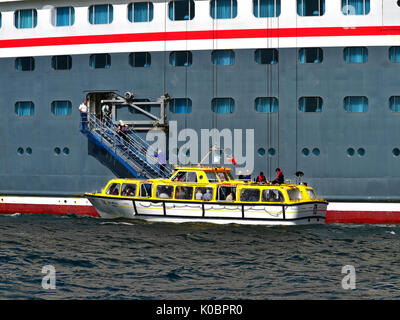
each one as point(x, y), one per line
point(130, 150)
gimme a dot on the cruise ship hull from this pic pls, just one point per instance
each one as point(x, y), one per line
point(348, 157)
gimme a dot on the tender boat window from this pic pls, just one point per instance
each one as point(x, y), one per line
point(272, 195)
point(212, 177)
point(128, 190)
point(250, 195)
point(311, 194)
point(223, 176)
point(185, 193)
point(164, 192)
point(294, 194)
point(146, 190)
point(113, 189)
point(185, 176)
point(227, 193)
point(204, 193)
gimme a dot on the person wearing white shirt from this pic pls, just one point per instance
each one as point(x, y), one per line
point(83, 109)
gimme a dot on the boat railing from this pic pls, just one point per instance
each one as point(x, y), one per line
point(129, 146)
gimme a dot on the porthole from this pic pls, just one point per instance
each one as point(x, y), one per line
point(271, 152)
point(396, 151)
point(261, 151)
point(316, 151)
point(66, 151)
point(350, 152)
point(20, 151)
point(361, 152)
point(305, 151)
point(29, 150)
point(57, 151)
point(398, 3)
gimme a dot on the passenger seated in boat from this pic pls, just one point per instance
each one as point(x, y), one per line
point(230, 197)
point(180, 194)
point(208, 195)
point(199, 195)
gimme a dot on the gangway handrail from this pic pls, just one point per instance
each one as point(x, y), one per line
point(130, 143)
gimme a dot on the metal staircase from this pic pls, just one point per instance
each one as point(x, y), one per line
point(130, 150)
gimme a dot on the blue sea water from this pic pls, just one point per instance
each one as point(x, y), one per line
point(125, 259)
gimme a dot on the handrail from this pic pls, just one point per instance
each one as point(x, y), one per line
point(129, 146)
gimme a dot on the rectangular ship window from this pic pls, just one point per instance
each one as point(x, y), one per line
point(394, 54)
point(61, 108)
point(223, 105)
point(100, 61)
point(355, 54)
point(355, 7)
point(61, 62)
point(24, 108)
point(140, 12)
point(181, 10)
point(223, 57)
point(101, 14)
point(311, 104)
point(63, 16)
point(26, 18)
point(266, 104)
point(266, 56)
point(181, 58)
point(307, 8)
point(25, 64)
point(394, 103)
point(356, 104)
point(310, 55)
point(140, 59)
point(180, 105)
point(223, 9)
point(266, 8)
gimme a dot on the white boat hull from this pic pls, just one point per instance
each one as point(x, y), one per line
point(219, 213)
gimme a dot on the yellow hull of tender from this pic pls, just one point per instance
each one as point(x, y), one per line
point(207, 196)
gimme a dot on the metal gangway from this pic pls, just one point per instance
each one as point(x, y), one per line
point(128, 148)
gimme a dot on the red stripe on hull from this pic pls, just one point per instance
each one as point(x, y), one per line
point(202, 35)
point(371, 217)
point(332, 216)
point(10, 208)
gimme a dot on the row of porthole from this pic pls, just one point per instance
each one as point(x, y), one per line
point(28, 150)
point(306, 152)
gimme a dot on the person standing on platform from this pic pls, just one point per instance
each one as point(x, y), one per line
point(83, 109)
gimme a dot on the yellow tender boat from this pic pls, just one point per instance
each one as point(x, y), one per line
point(208, 194)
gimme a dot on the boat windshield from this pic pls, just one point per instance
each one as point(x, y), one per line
point(185, 176)
point(211, 176)
point(113, 189)
point(294, 194)
point(311, 194)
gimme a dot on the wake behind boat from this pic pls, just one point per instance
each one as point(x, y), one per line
point(209, 194)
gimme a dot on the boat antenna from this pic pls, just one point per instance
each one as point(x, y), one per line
point(212, 149)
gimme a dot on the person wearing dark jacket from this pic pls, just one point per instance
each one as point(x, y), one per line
point(279, 177)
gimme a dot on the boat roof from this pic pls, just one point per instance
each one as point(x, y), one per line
point(203, 168)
